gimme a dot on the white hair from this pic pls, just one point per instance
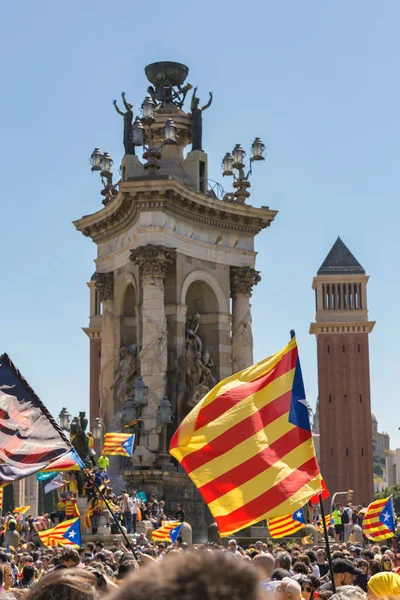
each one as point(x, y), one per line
point(349, 592)
point(289, 586)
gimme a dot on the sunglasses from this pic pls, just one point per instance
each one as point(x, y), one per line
point(386, 560)
point(306, 589)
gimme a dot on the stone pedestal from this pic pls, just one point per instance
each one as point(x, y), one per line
point(131, 167)
point(242, 281)
point(174, 488)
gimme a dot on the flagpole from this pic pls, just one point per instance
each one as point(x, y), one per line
point(328, 549)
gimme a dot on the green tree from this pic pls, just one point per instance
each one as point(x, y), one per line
point(392, 491)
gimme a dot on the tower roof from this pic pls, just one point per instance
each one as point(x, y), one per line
point(340, 261)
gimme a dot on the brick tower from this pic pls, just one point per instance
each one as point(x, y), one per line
point(341, 328)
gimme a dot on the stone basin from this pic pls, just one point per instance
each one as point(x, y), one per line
point(176, 73)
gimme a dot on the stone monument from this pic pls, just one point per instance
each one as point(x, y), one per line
point(170, 298)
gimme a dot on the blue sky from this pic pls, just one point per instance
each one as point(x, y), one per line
point(318, 81)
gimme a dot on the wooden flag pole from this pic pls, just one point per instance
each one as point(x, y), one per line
point(327, 547)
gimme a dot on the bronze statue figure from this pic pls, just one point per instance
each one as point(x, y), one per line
point(197, 120)
point(128, 118)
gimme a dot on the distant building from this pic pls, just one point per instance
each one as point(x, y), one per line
point(380, 441)
point(393, 467)
point(342, 328)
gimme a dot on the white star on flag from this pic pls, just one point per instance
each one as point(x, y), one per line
point(298, 514)
point(386, 516)
point(72, 534)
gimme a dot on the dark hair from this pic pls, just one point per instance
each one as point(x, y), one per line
point(284, 560)
point(3, 557)
point(279, 574)
point(301, 568)
point(189, 577)
point(28, 572)
point(70, 554)
point(311, 555)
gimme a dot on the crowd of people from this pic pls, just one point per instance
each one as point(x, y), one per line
point(172, 571)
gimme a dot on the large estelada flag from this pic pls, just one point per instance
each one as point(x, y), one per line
point(324, 494)
point(247, 445)
point(66, 533)
point(379, 522)
point(279, 527)
point(118, 444)
point(29, 436)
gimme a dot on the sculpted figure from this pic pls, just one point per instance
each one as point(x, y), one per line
point(197, 120)
point(128, 118)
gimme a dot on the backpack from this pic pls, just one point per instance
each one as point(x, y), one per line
point(345, 517)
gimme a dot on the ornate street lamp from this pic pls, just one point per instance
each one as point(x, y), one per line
point(148, 107)
point(103, 163)
point(165, 410)
point(170, 132)
point(140, 392)
point(138, 135)
point(106, 162)
point(130, 410)
point(64, 418)
point(233, 164)
point(227, 164)
point(95, 159)
point(96, 428)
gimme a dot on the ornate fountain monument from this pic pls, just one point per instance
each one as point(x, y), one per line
point(175, 269)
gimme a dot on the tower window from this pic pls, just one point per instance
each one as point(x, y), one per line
point(330, 398)
point(360, 398)
point(343, 348)
point(328, 349)
point(347, 451)
point(331, 451)
point(345, 398)
point(362, 451)
point(359, 348)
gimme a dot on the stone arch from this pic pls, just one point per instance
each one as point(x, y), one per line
point(203, 276)
point(128, 311)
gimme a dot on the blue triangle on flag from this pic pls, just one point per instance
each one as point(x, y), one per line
point(175, 532)
point(299, 516)
point(128, 444)
point(387, 515)
point(73, 533)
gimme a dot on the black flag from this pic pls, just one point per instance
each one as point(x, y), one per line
point(29, 436)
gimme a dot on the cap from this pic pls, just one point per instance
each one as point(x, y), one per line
point(345, 566)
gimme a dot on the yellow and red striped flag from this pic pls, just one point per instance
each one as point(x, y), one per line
point(66, 533)
point(379, 522)
point(247, 445)
point(279, 527)
point(168, 532)
point(118, 444)
point(1, 497)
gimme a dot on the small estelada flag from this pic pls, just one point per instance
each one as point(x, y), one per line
point(324, 493)
point(118, 444)
point(379, 522)
point(168, 532)
point(279, 527)
point(21, 509)
point(66, 533)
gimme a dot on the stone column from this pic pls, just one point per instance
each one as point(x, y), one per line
point(153, 262)
point(105, 288)
point(242, 281)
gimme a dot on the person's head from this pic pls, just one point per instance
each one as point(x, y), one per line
point(12, 525)
point(193, 576)
point(70, 584)
point(28, 572)
point(90, 547)
point(265, 563)
point(344, 572)
point(70, 557)
point(368, 555)
point(311, 556)
point(279, 574)
point(283, 561)
point(99, 546)
point(383, 584)
point(179, 507)
point(126, 567)
point(374, 567)
point(321, 555)
point(349, 592)
point(8, 576)
point(288, 589)
point(232, 546)
point(301, 568)
point(363, 566)
point(270, 547)
point(386, 563)
point(307, 586)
